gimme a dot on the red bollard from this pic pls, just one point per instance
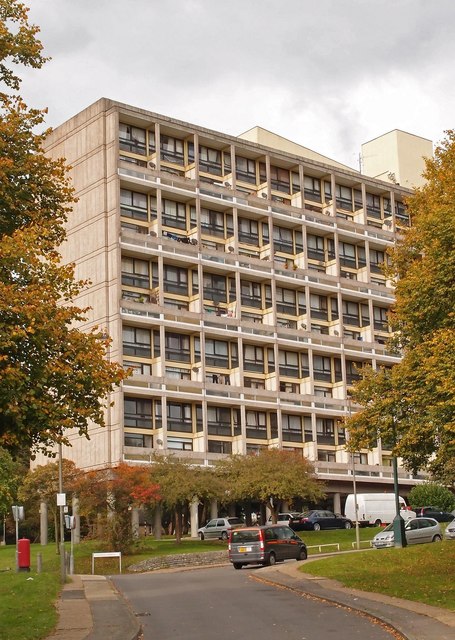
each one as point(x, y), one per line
point(23, 551)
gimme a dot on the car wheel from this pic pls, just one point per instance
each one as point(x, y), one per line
point(238, 565)
point(437, 538)
point(272, 559)
point(201, 535)
point(302, 554)
point(317, 526)
point(348, 525)
point(224, 535)
point(377, 523)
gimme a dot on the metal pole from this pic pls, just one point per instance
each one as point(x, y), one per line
point(354, 487)
point(17, 540)
point(62, 526)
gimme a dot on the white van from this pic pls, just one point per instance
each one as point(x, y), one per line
point(375, 508)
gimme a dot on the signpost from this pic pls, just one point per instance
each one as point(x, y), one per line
point(18, 514)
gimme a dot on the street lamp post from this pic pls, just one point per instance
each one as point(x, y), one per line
point(399, 534)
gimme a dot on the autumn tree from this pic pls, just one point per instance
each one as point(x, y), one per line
point(271, 477)
point(53, 377)
point(412, 406)
point(107, 496)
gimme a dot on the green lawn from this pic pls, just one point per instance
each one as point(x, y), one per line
point(423, 573)
point(418, 573)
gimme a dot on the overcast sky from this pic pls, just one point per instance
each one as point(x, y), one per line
point(328, 74)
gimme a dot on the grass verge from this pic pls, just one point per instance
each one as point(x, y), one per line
point(422, 573)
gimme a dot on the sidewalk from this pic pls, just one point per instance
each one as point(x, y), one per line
point(90, 608)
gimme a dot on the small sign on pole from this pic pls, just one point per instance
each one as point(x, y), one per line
point(61, 499)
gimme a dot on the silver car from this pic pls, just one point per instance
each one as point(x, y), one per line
point(449, 533)
point(417, 530)
point(219, 528)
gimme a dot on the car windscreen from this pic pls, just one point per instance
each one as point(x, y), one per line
point(389, 527)
point(245, 535)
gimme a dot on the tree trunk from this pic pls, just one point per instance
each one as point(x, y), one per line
point(178, 524)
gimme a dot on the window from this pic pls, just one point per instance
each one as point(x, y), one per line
point(292, 428)
point(171, 150)
point(132, 139)
point(137, 413)
point(177, 347)
point(256, 424)
point(381, 318)
point(175, 280)
point(286, 301)
point(318, 307)
point(344, 197)
point(133, 205)
point(137, 440)
point(217, 353)
point(215, 287)
point(315, 246)
point(322, 368)
point(248, 231)
point(325, 430)
point(377, 259)
point(251, 294)
point(289, 364)
point(179, 417)
point(283, 240)
point(220, 421)
point(253, 358)
point(373, 206)
point(351, 313)
point(174, 214)
point(210, 160)
point(312, 189)
point(180, 444)
point(352, 373)
point(219, 446)
point(279, 179)
point(135, 273)
point(326, 455)
point(137, 342)
point(348, 255)
point(245, 170)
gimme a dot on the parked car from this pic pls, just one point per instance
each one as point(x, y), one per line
point(318, 519)
point(435, 513)
point(292, 519)
point(219, 528)
point(417, 530)
point(449, 533)
point(265, 545)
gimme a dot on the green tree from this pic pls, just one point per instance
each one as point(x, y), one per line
point(10, 480)
point(431, 494)
point(53, 377)
point(271, 477)
point(412, 406)
point(180, 483)
point(42, 485)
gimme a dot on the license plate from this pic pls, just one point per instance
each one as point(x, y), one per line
point(244, 549)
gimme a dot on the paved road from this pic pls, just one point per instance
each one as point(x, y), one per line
point(224, 604)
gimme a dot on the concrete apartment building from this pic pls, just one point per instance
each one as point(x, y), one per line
point(240, 278)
